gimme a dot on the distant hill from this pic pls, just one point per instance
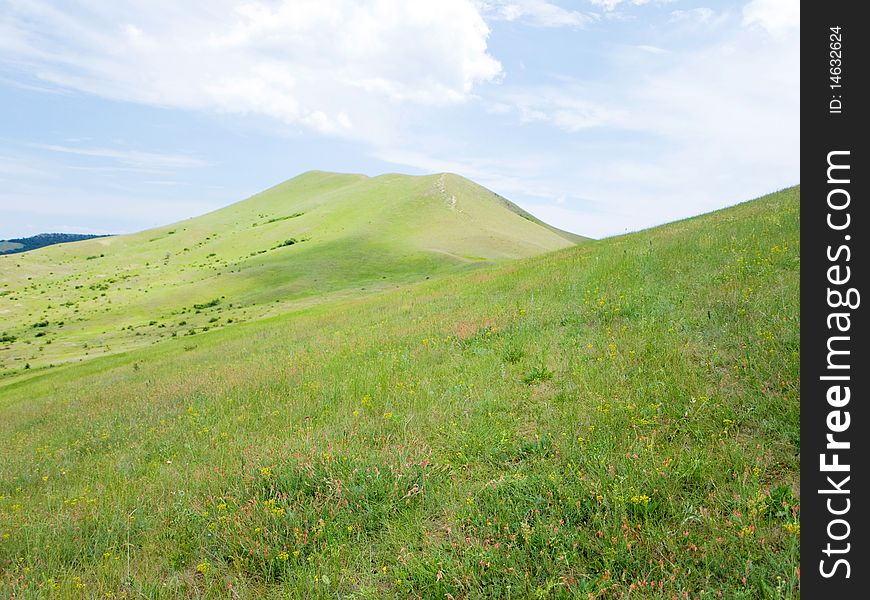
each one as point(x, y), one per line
point(316, 236)
point(42, 240)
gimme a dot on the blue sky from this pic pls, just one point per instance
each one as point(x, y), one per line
point(598, 116)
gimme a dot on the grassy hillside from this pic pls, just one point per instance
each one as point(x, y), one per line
point(619, 419)
point(316, 235)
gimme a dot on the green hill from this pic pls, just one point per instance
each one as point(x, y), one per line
point(42, 240)
point(317, 235)
point(616, 419)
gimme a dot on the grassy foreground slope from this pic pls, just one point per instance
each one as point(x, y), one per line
point(619, 419)
point(315, 235)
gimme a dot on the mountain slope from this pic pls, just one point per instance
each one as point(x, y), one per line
point(617, 419)
point(316, 235)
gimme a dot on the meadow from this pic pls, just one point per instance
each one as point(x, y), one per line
point(614, 419)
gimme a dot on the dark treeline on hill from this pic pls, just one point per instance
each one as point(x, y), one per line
point(41, 240)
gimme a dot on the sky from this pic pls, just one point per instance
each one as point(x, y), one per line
point(597, 116)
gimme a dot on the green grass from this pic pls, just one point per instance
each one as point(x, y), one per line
point(618, 419)
point(318, 235)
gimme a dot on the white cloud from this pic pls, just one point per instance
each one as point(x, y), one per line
point(44, 187)
point(610, 5)
point(629, 136)
point(651, 49)
point(777, 17)
point(539, 13)
point(701, 15)
point(336, 67)
point(606, 4)
point(17, 168)
point(131, 158)
point(712, 137)
point(570, 107)
point(666, 137)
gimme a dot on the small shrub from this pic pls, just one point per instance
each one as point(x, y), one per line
point(293, 216)
point(208, 304)
point(514, 355)
point(537, 375)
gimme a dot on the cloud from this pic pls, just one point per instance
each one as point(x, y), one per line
point(606, 4)
point(651, 49)
point(131, 158)
point(655, 123)
point(538, 13)
point(610, 5)
point(665, 136)
point(99, 189)
point(710, 136)
point(701, 15)
point(566, 107)
point(339, 67)
point(777, 17)
point(17, 168)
